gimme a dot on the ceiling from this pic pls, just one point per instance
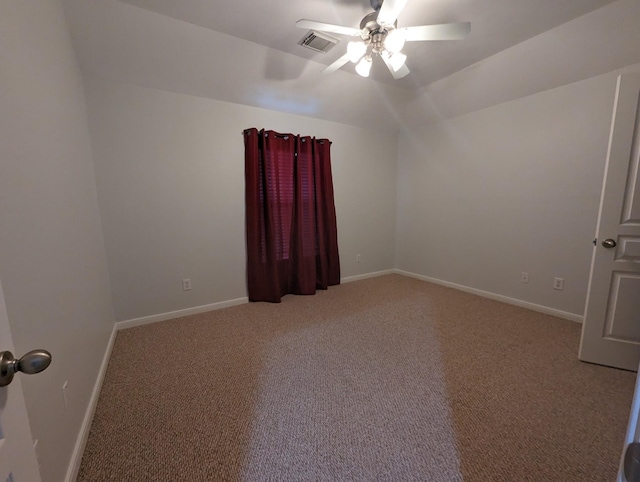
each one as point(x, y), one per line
point(496, 25)
point(246, 52)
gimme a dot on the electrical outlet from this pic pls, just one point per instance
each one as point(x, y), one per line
point(524, 277)
point(358, 258)
point(186, 285)
point(558, 284)
point(64, 395)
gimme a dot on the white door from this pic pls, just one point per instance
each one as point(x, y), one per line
point(18, 461)
point(611, 329)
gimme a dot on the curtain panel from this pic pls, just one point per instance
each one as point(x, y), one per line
point(292, 241)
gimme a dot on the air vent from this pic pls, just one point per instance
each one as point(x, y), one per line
point(319, 42)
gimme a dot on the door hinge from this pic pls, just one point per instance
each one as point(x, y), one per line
point(595, 241)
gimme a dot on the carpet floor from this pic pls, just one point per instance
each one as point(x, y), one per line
point(384, 379)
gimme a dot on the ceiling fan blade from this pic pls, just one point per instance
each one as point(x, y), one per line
point(400, 73)
point(327, 27)
point(445, 31)
point(389, 11)
point(336, 65)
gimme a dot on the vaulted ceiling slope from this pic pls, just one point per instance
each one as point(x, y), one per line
point(246, 52)
point(496, 26)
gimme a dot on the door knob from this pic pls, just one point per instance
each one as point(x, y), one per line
point(609, 243)
point(631, 463)
point(33, 362)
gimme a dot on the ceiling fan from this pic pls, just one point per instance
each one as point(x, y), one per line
point(379, 35)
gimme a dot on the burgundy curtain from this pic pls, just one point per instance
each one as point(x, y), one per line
point(292, 241)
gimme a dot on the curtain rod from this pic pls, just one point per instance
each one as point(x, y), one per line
point(277, 134)
point(321, 141)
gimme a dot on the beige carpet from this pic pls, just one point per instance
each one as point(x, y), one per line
point(385, 379)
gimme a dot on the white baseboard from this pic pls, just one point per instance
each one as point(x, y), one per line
point(493, 296)
point(358, 277)
point(83, 435)
point(145, 320)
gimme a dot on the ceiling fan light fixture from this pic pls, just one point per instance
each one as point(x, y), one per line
point(394, 41)
point(355, 50)
point(364, 66)
point(397, 60)
point(379, 35)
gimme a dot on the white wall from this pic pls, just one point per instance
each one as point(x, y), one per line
point(170, 176)
point(515, 187)
point(52, 258)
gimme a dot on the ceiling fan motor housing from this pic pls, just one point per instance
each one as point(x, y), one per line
point(369, 22)
point(372, 32)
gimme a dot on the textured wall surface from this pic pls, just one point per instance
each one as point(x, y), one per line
point(512, 188)
point(52, 257)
